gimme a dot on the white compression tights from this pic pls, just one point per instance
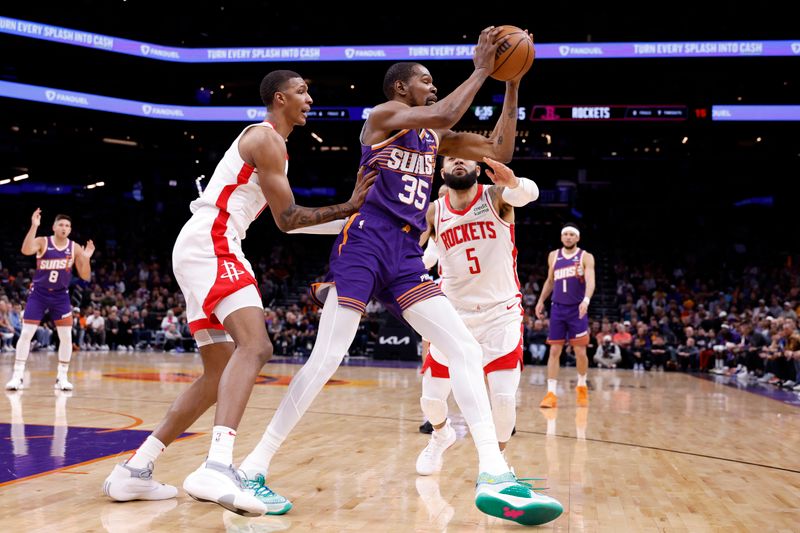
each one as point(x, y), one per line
point(337, 329)
point(503, 386)
point(436, 320)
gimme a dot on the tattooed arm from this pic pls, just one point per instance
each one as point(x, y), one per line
point(267, 150)
point(499, 145)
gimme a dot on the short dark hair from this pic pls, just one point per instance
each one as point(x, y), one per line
point(63, 217)
point(402, 71)
point(274, 82)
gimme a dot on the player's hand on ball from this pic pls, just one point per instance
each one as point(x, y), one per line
point(486, 49)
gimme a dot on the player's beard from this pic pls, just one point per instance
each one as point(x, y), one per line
point(461, 183)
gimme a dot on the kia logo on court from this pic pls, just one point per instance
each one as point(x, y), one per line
point(796, 48)
point(145, 49)
point(349, 52)
point(147, 109)
point(50, 95)
point(394, 340)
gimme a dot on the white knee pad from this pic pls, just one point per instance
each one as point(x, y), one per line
point(204, 337)
point(435, 409)
point(504, 412)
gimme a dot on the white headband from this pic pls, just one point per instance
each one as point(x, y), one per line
point(572, 229)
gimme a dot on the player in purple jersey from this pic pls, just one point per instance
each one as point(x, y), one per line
point(377, 253)
point(570, 279)
point(55, 256)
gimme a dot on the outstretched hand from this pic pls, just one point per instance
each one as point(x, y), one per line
point(364, 181)
point(88, 250)
point(500, 174)
point(36, 218)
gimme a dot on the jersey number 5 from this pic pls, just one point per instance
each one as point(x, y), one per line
point(475, 267)
point(415, 192)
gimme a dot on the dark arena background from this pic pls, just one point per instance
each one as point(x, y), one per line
point(670, 138)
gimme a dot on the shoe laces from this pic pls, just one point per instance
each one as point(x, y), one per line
point(524, 482)
point(259, 486)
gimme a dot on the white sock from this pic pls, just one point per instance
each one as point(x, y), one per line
point(551, 385)
point(259, 459)
point(147, 453)
point(551, 426)
point(221, 450)
point(64, 350)
point(581, 380)
point(436, 320)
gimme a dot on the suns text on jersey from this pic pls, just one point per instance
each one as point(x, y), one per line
point(54, 264)
point(411, 162)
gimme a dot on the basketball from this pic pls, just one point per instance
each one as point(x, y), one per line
point(515, 56)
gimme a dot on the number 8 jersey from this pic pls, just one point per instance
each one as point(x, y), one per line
point(54, 267)
point(405, 162)
point(477, 255)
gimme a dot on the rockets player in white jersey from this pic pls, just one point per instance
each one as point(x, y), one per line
point(224, 307)
point(472, 227)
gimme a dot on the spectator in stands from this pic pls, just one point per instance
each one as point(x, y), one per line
point(688, 354)
point(608, 354)
point(96, 331)
point(6, 329)
point(78, 329)
point(537, 341)
point(125, 333)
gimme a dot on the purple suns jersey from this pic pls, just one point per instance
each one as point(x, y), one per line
point(54, 267)
point(402, 190)
point(569, 285)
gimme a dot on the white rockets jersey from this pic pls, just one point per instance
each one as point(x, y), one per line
point(477, 255)
point(233, 189)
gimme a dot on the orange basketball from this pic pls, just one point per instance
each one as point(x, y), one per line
point(515, 56)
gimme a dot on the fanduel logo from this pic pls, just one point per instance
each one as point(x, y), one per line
point(349, 53)
point(145, 49)
point(352, 52)
point(394, 340)
point(252, 113)
point(796, 48)
point(148, 109)
point(580, 50)
point(65, 98)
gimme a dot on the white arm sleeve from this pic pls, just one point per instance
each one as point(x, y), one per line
point(431, 255)
point(525, 193)
point(326, 228)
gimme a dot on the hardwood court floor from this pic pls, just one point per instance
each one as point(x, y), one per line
point(662, 452)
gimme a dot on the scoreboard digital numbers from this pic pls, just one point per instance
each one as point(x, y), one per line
point(594, 113)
